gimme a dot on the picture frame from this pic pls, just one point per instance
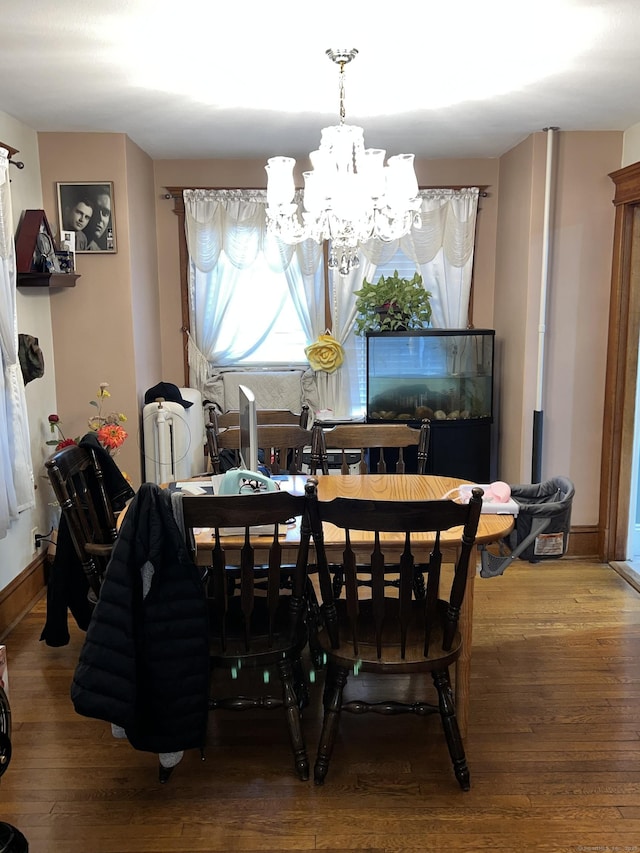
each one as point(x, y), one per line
point(66, 262)
point(87, 208)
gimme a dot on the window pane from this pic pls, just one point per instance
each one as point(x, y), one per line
point(260, 295)
point(405, 266)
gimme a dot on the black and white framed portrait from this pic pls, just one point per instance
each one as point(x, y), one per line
point(87, 210)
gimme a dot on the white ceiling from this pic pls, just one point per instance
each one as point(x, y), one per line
point(191, 79)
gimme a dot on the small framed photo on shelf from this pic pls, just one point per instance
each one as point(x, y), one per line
point(87, 210)
point(66, 262)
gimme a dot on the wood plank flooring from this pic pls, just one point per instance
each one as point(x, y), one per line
point(553, 748)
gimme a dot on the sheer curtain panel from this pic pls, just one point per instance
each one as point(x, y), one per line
point(16, 472)
point(227, 240)
point(442, 249)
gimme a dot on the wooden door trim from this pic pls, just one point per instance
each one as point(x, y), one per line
point(622, 368)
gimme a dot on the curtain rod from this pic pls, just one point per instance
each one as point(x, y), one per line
point(173, 192)
point(17, 163)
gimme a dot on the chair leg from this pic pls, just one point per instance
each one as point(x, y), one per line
point(300, 684)
point(292, 713)
point(332, 700)
point(451, 729)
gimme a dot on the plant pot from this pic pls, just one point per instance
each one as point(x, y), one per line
point(383, 312)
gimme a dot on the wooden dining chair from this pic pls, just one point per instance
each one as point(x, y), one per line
point(222, 420)
point(78, 482)
point(365, 438)
point(282, 446)
point(257, 622)
point(383, 631)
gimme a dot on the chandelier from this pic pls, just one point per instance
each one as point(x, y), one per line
point(350, 195)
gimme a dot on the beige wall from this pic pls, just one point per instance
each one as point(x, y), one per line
point(575, 337)
point(98, 327)
point(145, 301)
point(517, 269)
point(579, 310)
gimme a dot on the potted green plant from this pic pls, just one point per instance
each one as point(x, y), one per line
point(392, 304)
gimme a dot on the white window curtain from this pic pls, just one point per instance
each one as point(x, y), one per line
point(340, 391)
point(16, 472)
point(442, 248)
point(226, 231)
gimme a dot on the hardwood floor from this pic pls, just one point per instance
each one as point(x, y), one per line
point(553, 748)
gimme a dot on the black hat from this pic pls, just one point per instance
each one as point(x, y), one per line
point(168, 392)
point(31, 358)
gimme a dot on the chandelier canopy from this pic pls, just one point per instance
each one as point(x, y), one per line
point(350, 195)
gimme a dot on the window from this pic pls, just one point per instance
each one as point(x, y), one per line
point(241, 313)
point(261, 312)
point(405, 266)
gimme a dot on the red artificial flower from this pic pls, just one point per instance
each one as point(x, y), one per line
point(53, 419)
point(65, 442)
point(111, 436)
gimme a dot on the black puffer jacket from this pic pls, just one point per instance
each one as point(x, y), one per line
point(145, 662)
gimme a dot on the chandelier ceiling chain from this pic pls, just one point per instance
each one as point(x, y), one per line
point(350, 195)
point(341, 58)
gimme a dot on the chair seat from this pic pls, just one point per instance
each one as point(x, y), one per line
point(367, 660)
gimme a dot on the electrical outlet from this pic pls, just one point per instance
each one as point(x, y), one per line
point(35, 540)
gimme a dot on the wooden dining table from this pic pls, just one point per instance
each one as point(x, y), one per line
point(394, 487)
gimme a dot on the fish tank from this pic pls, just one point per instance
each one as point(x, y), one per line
point(441, 374)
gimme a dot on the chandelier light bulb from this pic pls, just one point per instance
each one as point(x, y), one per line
point(349, 195)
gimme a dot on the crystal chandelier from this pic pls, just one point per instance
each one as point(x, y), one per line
point(350, 195)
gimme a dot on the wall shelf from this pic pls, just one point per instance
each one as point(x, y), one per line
point(46, 279)
point(32, 225)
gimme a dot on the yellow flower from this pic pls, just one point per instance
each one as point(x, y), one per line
point(325, 354)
